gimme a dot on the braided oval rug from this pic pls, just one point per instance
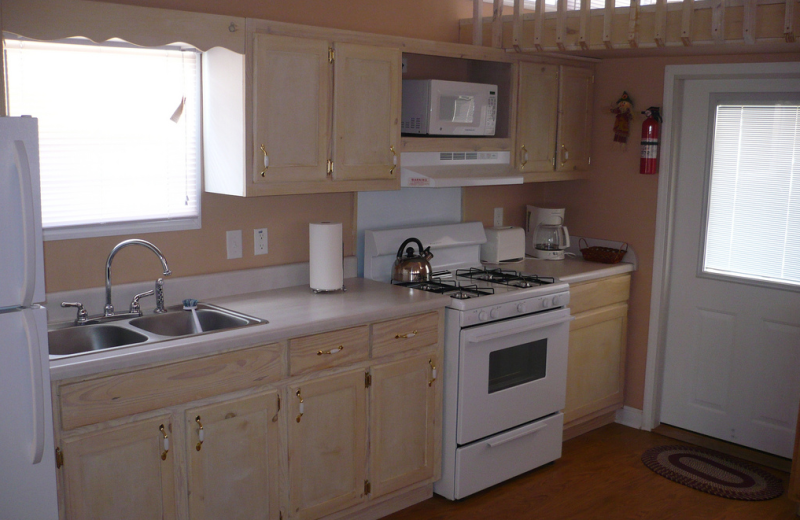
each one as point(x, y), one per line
point(712, 472)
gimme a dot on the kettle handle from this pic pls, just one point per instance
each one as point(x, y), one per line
point(404, 244)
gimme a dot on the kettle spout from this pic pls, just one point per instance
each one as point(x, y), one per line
point(426, 253)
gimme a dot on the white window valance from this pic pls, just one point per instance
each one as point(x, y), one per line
point(149, 27)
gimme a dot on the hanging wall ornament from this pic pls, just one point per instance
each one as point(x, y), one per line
point(622, 122)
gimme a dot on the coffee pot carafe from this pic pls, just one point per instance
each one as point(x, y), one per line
point(546, 235)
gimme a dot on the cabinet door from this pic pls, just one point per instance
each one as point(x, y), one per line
point(327, 444)
point(366, 112)
point(233, 472)
point(574, 118)
point(402, 423)
point(121, 473)
point(292, 107)
point(596, 365)
point(536, 117)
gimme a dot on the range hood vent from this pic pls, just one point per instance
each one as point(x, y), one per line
point(454, 169)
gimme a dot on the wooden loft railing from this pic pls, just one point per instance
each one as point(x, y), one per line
point(674, 24)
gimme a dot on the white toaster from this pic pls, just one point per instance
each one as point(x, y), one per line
point(503, 244)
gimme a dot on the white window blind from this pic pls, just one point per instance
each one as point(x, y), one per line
point(117, 154)
point(753, 226)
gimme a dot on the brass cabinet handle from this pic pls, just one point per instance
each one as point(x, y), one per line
point(406, 335)
point(331, 351)
point(394, 160)
point(564, 154)
point(433, 372)
point(200, 433)
point(166, 442)
point(266, 161)
point(524, 156)
point(300, 396)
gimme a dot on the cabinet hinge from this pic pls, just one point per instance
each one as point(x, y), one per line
point(554, 162)
point(280, 515)
point(59, 458)
point(367, 380)
point(367, 487)
point(331, 55)
point(592, 79)
point(330, 168)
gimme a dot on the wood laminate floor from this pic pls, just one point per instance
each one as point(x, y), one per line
point(600, 476)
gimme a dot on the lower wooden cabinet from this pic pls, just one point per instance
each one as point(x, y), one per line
point(121, 473)
point(597, 346)
point(232, 459)
point(327, 444)
point(402, 423)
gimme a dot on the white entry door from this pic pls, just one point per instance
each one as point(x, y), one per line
point(732, 354)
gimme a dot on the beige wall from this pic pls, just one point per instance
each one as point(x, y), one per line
point(616, 203)
point(75, 264)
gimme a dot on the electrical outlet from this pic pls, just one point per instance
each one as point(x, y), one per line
point(260, 244)
point(234, 242)
point(498, 217)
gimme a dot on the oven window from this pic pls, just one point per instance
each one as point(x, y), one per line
point(517, 365)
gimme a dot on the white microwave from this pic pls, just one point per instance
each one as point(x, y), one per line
point(438, 107)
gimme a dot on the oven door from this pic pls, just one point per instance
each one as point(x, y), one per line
point(511, 372)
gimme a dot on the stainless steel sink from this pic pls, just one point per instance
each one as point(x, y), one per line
point(74, 340)
point(181, 323)
point(99, 334)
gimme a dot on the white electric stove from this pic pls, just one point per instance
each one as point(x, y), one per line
point(505, 366)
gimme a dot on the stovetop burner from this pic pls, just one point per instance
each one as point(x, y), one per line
point(504, 277)
point(454, 289)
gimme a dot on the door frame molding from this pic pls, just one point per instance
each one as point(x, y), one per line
point(675, 77)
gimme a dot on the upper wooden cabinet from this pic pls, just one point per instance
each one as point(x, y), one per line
point(553, 121)
point(575, 95)
point(316, 116)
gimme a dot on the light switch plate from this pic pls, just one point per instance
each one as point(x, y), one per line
point(234, 242)
point(260, 243)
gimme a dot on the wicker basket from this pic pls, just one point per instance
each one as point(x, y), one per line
point(604, 255)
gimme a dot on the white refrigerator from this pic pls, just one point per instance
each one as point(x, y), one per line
point(27, 456)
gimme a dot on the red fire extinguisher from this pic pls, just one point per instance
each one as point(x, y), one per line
point(648, 164)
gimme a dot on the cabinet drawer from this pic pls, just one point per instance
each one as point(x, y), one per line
point(390, 337)
point(111, 397)
point(599, 293)
point(329, 349)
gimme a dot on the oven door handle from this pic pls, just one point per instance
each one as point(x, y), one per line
point(514, 436)
point(525, 328)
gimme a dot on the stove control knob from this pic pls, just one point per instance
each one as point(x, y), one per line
point(521, 307)
point(546, 303)
point(483, 316)
point(556, 301)
point(495, 313)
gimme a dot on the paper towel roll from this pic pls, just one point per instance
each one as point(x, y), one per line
point(325, 251)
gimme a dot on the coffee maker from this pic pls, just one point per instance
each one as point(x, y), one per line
point(546, 236)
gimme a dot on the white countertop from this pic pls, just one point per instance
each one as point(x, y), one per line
point(291, 312)
point(570, 270)
point(296, 311)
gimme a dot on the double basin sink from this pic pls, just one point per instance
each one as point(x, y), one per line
point(96, 335)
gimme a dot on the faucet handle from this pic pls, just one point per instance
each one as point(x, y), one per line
point(83, 316)
point(135, 308)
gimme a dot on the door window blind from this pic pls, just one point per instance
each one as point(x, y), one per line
point(753, 228)
point(119, 134)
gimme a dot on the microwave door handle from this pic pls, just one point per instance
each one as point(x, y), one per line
point(510, 332)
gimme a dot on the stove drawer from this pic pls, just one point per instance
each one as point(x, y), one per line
point(329, 349)
point(492, 460)
point(390, 337)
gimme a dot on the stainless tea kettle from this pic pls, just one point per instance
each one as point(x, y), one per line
point(412, 268)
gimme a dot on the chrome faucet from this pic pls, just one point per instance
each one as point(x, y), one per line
point(109, 308)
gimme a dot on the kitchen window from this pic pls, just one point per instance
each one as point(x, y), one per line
point(119, 134)
point(753, 216)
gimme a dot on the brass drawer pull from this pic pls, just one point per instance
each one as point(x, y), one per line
point(200, 433)
point(406, 335)
point(433, 372)
point(300, 396)
point(394, 160)
point(266, 161)
point(331, 351)
point(564, 154)
point(524, 156)
point(166, 442)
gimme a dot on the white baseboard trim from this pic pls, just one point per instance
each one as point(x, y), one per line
point(631, 417)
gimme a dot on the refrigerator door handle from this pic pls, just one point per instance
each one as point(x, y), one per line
point(37, 387)
point(28, 220)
